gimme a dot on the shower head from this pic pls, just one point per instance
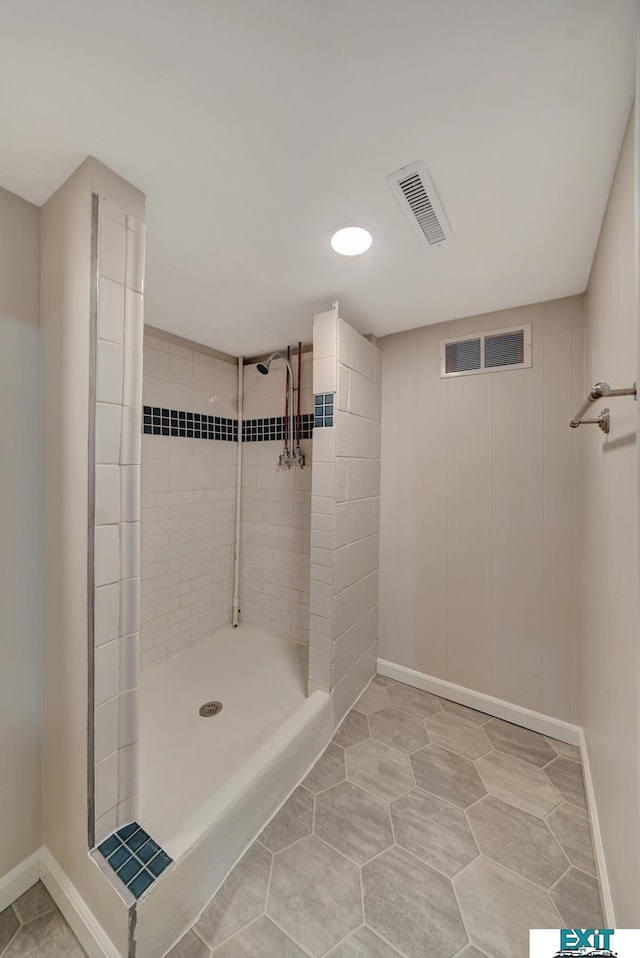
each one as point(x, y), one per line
point(264, 367)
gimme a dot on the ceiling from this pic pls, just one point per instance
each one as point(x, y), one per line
point(255, 127)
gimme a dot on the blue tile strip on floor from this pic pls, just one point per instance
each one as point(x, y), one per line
point(135, 858)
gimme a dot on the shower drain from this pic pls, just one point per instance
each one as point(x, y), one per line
point(210, 708)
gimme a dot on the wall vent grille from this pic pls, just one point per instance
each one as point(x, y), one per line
point(488, 352)
point(413, 188)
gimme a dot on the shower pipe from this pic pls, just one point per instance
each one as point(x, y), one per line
point(236, 553)
point(263, 367)
point(288, 404)
point(299, 392)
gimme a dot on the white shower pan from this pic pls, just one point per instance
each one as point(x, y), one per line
point(207, 786)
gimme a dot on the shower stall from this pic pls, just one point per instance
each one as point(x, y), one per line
point(225, 574)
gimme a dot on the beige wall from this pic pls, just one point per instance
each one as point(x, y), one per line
point(20, 581)
point(478, 510)
point(64, 316)
point(609, 689)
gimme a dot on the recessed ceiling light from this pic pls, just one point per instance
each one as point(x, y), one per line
point(351, 240)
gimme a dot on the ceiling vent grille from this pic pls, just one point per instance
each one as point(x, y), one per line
point(413, 188)
point(486, 353)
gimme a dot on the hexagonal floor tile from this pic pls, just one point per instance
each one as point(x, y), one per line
point(372, 699)
point(354, 729)
point(472, 715)
point(353, 822)
point(383, 771)
point(564, 750)
point(447, 775)
point(293, 821)
point(239, 900)
point(518, 783)
point(47, 935)
point(258, 940)
point(413, 700)
point(517, 840)
point(398, 729)
point(570, 826)
point(577, 898)
point(433, 830)
point(314, 895)
point(457, 734)
point(190, 946)
point(412, 906)
point(499, 908)
point(566, 776)
point(328, 770)
point(363, 944)
point(520, 742)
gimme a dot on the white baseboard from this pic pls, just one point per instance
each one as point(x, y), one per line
point(527, 718)
point(19, 880)
point(77, 913)
point(596, 836)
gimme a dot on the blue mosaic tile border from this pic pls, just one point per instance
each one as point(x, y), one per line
point(275, 427)
point(192, 425)
point(324, 409)
point(135, 858)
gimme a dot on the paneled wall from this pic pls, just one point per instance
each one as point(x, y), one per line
point(276, 511)
point(609, 684)
point(345, 511)
point(478, 511)
point(188, 494)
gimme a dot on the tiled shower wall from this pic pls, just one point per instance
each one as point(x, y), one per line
point(345, 512)
point(188, 498)
point(121, 253)
point(275, 514)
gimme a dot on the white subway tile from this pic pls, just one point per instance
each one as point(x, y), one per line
point(131, 439)
point(105, 825)
point(342, 396)
point(106, 569)
point(182, 397)
point(129, 613)
point(354, 602)
point(155, 391)
point(128, 718)
point(323, 505)
point(356, 437)
point(132, 378)
point(354, 520)
point(324, 479)
point(321, 641)
point(109, 372)
point(362, 478)
point(130, 493)
point(155, 478)
point(127, 811)
point(136, 249)
point(133, 320)
point(106, 684)
point(105, 729)
point(156, 363)
point(111, 250)
point(325, 335)
point(105, 614)
point(107, 208)
point(127, 772)
point(325, 375)
point(129, 550)
point(355, 351)
point(324, 445)
point(106, 785)
point(129, 662)
point(365, 397)
point(110, 310)
point(107, 508)
point(180, 370)
point(107, 433)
